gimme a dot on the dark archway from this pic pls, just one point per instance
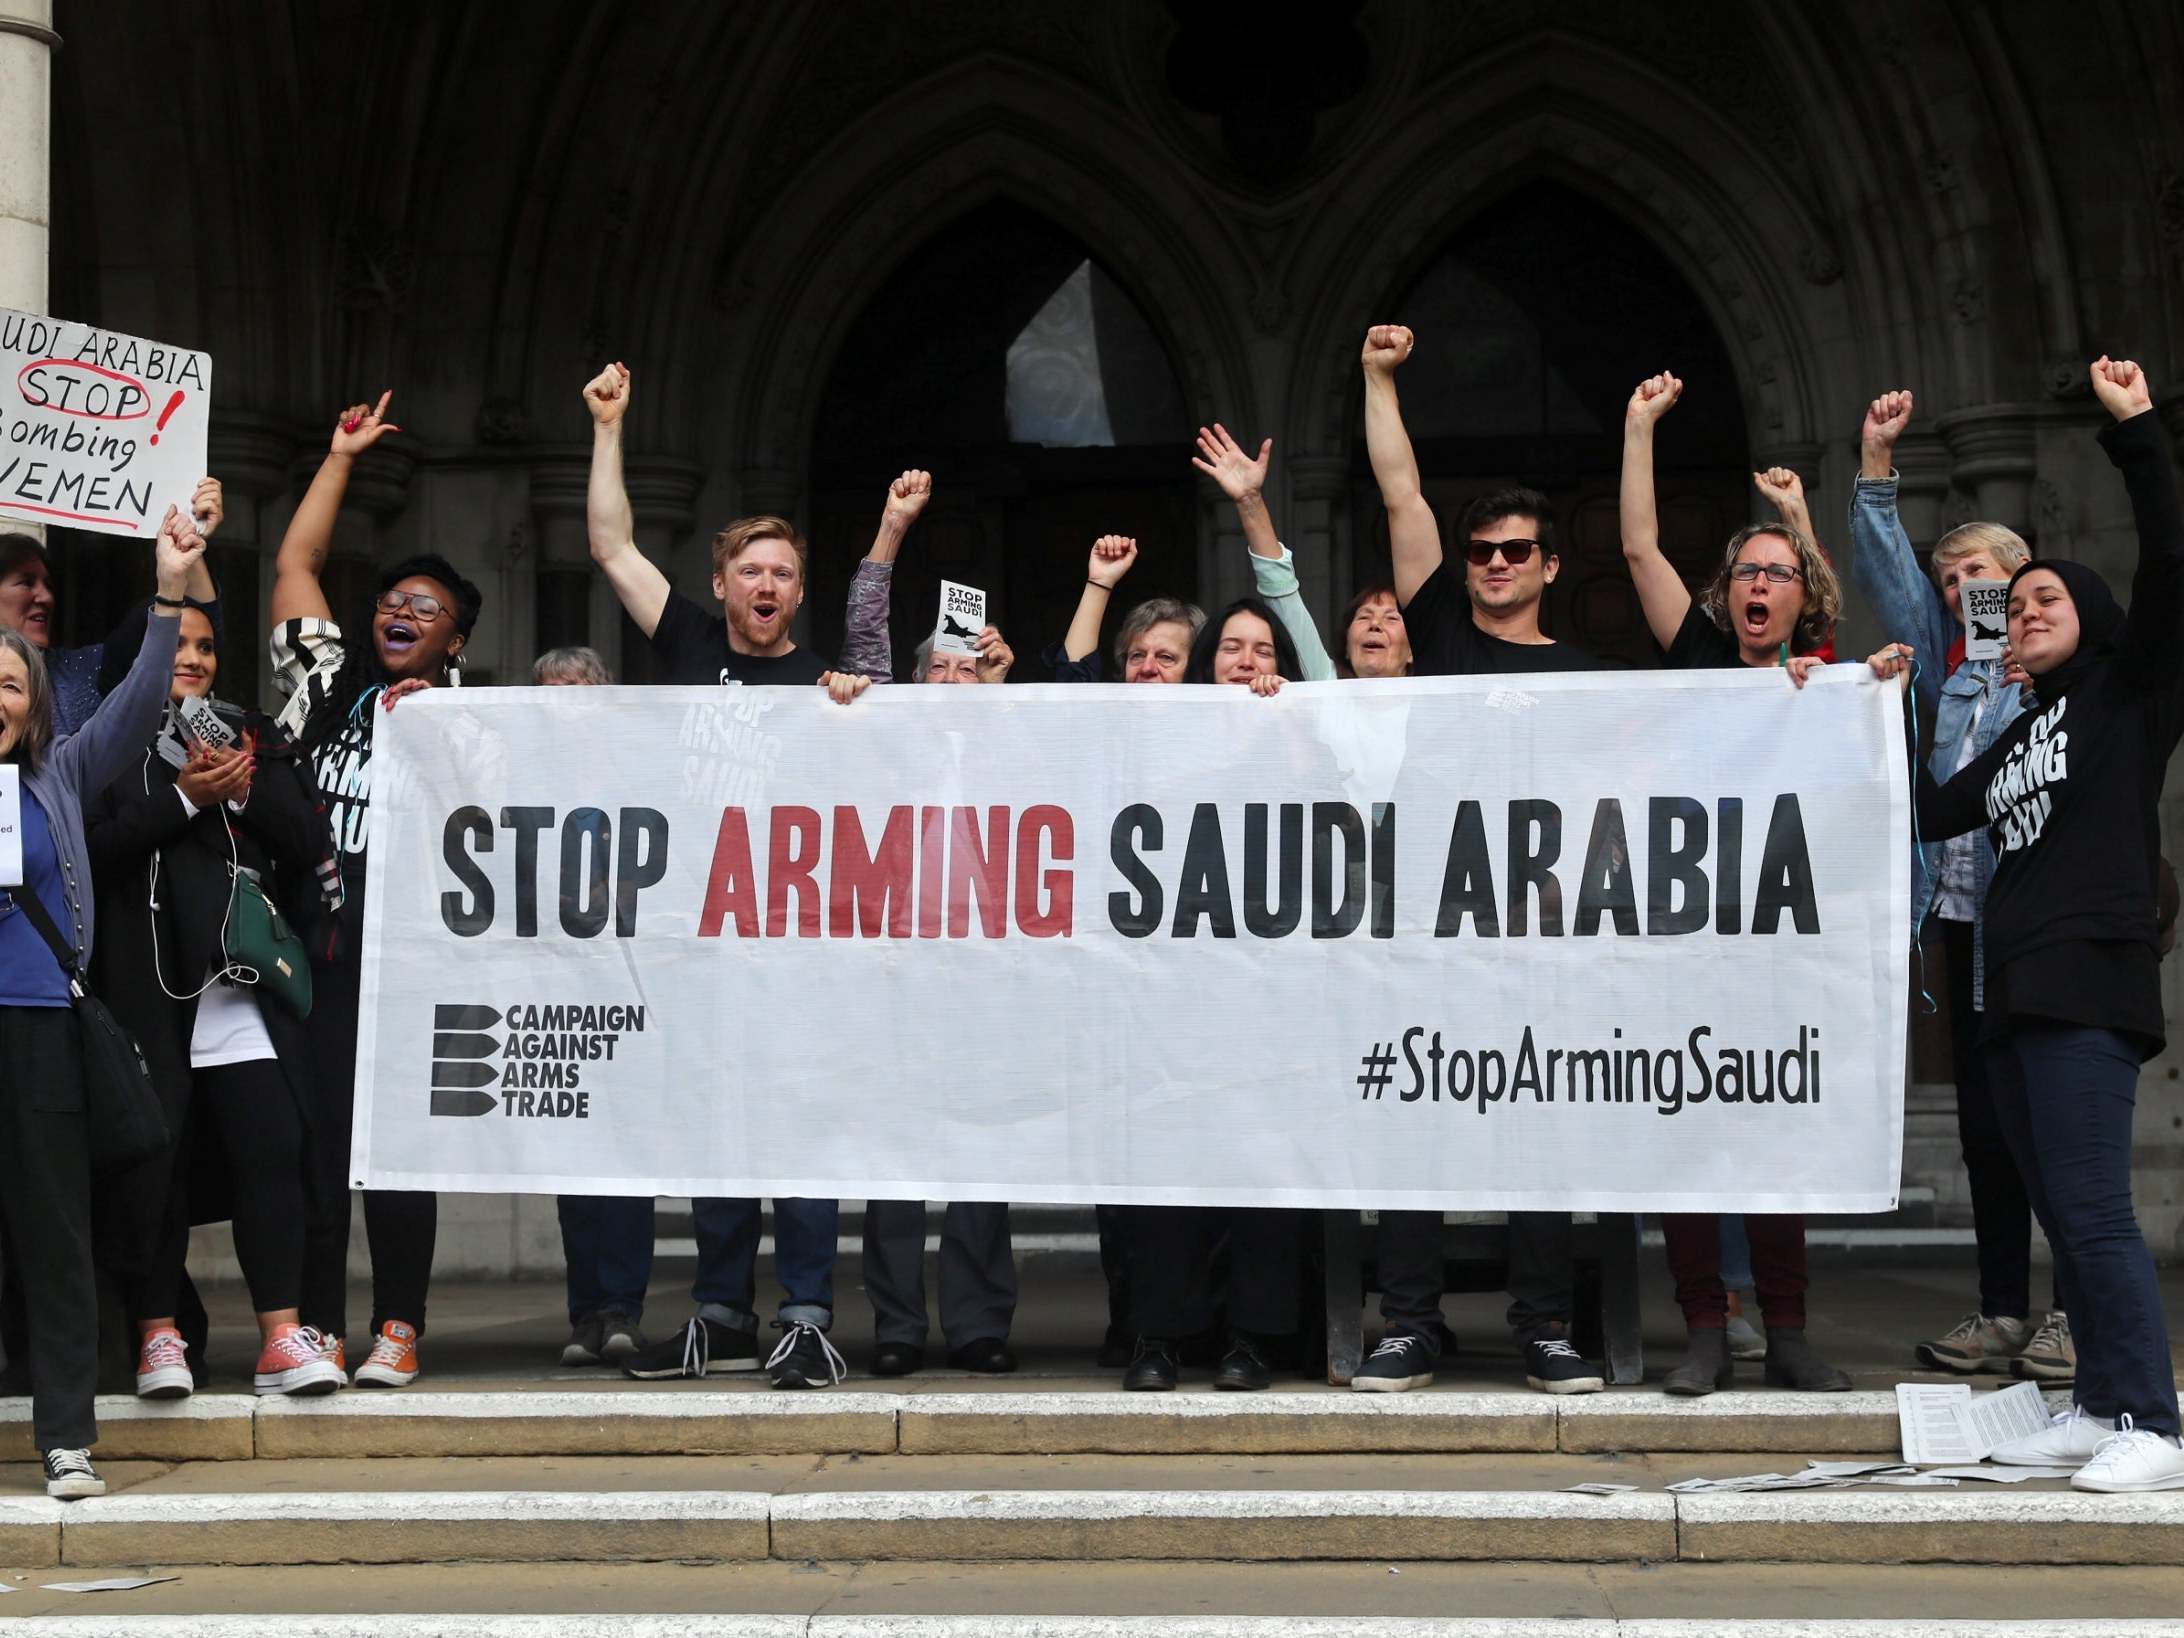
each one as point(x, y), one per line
point(1004, 358)
point(1534, 323)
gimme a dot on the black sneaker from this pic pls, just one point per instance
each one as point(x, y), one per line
point(620, 1337)
point(69, 1475)
point(1152, 1367)
point(1243, 1367)
point(583, 1345)
point(702, 1348)
point(1399, 1363)
point(805, 1359)
point(1552, 1366)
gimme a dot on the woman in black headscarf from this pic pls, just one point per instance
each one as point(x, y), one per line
point(2072, 983)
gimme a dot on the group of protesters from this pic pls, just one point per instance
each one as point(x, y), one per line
point(148, 822)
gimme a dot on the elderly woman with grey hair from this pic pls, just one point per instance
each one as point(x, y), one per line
point(606, 1239)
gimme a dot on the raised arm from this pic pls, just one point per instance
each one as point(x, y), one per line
point(119, 730)
point(608, 522)
point(1661, 591)
point(1414, 538)
point(1784, 490)
point(1243, 480)
point(298, 593)
point(867, 649)
point(208, 506)
point(1111, 558)
point(1882, 562)
point(2135, 443)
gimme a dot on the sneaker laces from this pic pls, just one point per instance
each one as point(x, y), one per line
point(1964, 1329)
point(163, 1349)
point(1398, 1344)
point(2118, 1444)
point(2053, 1335)
point(697, 1346)
point(386, 1350)
point(793, 1333)
point(302, 1345)
point(67, 1463)
point(1558, 1348)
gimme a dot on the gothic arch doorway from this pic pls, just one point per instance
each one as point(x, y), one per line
point(1002, 356)
point(1534, 323)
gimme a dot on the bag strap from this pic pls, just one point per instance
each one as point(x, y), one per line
point(26, 900)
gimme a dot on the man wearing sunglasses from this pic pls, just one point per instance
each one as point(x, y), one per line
point(1488, 622)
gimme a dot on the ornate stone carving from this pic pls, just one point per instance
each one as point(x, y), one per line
point(1991, 448)
point(1817, 260)
point(1968, 299)
point(374, 269)
point(2050, 523)
point(502, 421)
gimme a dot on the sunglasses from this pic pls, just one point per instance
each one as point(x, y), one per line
point(1515, 553)
point(1778, 574)
point(423, 605)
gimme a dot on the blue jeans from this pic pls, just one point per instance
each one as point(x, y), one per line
point(804, 1237)
point(1736, 1253)
point(606, 1240)
point(2064, 1098)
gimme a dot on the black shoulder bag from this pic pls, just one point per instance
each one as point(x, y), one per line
point(123, 1121)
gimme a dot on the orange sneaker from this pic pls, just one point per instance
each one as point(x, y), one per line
point(392, 1362)
point(163, 1366)
point(336, 1350)
point(296, 1362)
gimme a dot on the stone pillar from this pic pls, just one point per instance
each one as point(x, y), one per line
point(1317, 532)
point(1991, 449)
point(27, 43)
point(1922, 485)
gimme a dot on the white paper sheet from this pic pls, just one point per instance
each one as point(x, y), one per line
point(122, 1583)
point(2017, 1412)
point(1935, 1422)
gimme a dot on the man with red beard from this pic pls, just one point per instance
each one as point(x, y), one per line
point(758, 576)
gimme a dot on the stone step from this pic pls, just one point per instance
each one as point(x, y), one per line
point(1265, 1523)
point(742, 1416)
point(472, 1625)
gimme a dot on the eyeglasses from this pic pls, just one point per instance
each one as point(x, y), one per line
point(1515, 553)
point(424, 605)
point(1778, 574)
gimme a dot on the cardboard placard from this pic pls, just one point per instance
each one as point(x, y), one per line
point(98, 430)
point(1986, 617)
point(962, 618)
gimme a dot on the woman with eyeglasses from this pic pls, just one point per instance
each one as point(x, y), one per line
point(1773, 601)
point(420, 619)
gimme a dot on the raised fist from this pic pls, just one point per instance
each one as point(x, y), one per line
point(2121, 387)
point(606, 395)
point(1112, 556)
point(1386, 346)
point(994, 655)
point(1223, 460)
point(1656, 395)
point(1885, 419)
point(208, 505)
point(907, 495)
point(1781, 486)
point(363, 425)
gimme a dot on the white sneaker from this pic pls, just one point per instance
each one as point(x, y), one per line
point(2132, 1458)
point(69, 1475)
point(2071, 1437)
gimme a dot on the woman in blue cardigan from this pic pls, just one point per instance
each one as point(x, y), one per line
point(45, 1167)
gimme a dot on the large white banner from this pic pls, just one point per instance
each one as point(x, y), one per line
point(1618, 941)
point(98, 430)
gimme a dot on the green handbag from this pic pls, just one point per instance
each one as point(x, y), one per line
point(261, 948)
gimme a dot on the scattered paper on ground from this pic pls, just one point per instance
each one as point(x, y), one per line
point(125, 1583)
point(1946, 1423)
point(2006, 1475)
point(1597, 1489)
point(1854, 1470)
point(1912, 1481)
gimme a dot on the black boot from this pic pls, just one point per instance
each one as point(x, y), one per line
point(1791, 1363)
point(1705, 1365)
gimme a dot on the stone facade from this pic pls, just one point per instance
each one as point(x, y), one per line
point(1968, 199)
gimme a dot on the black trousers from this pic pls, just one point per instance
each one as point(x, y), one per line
point(400, 1226)
point(45, 1214)
point(253, 1114)
point(2001, 1210)
point(1407, 1253)
point(1170, 1255)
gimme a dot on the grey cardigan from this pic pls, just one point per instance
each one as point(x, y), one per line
point(101, 751)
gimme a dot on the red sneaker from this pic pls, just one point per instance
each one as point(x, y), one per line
point(392, 1362)
point(163, 1367)
point(296, 1361)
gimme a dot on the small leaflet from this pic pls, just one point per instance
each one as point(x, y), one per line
point(1595, 1488)
point(123, 1583)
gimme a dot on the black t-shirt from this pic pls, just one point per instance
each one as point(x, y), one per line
point(1701, 645)
point(693, 646)
point(1447, 642)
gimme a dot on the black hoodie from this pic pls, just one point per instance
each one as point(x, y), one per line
point(2071, 789)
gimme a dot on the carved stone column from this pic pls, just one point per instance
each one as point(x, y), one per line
point(1991, 449)
point(1317, 531)
point(27, 42)
point(1922, 485)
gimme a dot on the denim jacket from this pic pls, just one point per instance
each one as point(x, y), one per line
point(1912, 609)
